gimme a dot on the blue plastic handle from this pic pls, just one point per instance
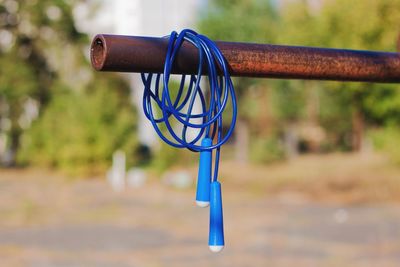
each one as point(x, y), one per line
point(204, 178)
point(216, 235)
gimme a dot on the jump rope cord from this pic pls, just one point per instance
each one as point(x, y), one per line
point(166, 109)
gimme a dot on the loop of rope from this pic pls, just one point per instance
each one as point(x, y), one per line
point(164, 111)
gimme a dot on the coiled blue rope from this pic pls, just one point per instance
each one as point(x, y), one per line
point(164, 111)
point(157, 97)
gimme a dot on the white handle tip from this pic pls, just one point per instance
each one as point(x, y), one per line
point(216, 249)
point(202, 204)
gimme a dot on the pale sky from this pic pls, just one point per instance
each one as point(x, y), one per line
point(137, 17)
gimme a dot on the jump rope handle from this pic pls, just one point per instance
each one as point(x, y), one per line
point(208, 192)
point(216, 235)
point(204, 177)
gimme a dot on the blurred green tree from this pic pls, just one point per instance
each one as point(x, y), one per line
point(34, 35)
point(359, 24)
point(79, 131)
point(249, 21)
point(83, 117)
point(343, 110)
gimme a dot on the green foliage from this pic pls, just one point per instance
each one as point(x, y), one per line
point(358, 24)
point(40, 47)
point(266, 150)
point(335, 118)
point(378, 103)
point(246, 21)
point(12, 87)
point(166, 156)
point(382, 104)
point(288, 100)
point(388, 140)
point(79, 131)
point(83, 117)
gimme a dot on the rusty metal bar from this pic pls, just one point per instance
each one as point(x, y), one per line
point(147, 54)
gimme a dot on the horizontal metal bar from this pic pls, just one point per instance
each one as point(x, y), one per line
point(147, 54)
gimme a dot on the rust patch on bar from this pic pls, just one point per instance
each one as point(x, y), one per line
point(147, 54)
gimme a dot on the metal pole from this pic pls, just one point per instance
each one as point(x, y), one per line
point(147, 54)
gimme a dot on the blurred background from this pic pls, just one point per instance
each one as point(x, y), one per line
point(311, 176)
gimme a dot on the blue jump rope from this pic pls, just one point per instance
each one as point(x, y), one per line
point(161, 109)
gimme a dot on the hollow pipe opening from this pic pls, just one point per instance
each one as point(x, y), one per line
point(98, 53)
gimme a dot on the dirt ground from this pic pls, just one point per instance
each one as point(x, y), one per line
point(335, 210)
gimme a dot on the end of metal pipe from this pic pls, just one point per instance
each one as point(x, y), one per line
point(98, 52)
